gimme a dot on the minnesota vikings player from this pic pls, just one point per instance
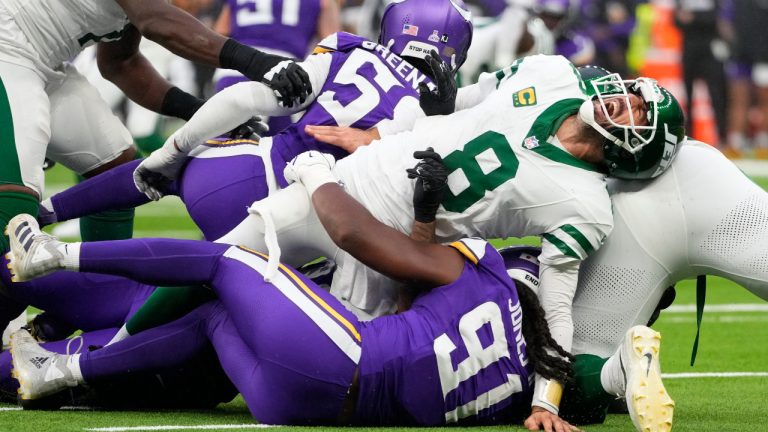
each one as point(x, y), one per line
point(264, 26)
point(293, 351)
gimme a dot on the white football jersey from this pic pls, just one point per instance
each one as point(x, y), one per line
point(59, 29)
point(508, 175)
point(702, 216)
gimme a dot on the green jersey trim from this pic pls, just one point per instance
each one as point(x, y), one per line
point(579, 237)
point(547, 125)
point(508, 72)
point(564, 248)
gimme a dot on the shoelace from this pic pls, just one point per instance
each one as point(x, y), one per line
point(270, 238)
point(80, 347)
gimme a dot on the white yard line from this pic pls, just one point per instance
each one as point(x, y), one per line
point(10, 408)
point(736, 307)
point(753, 167)
point(178, 427)
point(685, 375)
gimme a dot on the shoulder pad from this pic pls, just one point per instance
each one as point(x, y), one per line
point(339, 41)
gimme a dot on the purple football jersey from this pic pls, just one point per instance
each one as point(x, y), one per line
point(364, 85)
point(457, 355)
point(283, 25)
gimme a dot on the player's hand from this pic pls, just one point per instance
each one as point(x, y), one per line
point(154, 174)
point(541, 419)
point(441, 100)
point(312, 169)
point(431, 179)
point(254, 128)
point(345, 137)
point(289, 81)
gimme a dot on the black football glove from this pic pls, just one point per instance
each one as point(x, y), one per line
point(253, 128)
point(431, 180)
point(283, 75)
point(290, 83)
point(442, 100)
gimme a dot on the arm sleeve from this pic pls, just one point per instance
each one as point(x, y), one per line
point(236, 104)
point(556, 290)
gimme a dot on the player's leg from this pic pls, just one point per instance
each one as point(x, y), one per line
point(87, 138)
point(24, 114)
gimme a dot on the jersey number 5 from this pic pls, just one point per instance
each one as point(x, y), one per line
point(487, 162)
point(479, 359)
point(369, 98)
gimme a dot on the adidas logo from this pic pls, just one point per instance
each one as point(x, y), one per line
point(38, 361)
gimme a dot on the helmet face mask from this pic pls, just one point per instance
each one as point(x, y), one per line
point(633, 136)
point(634, 151)
point(413, 28)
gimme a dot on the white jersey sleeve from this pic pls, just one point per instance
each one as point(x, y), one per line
point(234, 105)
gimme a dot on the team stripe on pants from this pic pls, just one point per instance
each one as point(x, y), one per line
point(331, 322)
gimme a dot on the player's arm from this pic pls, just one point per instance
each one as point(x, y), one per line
point(185, 36)
point(122, 63)
point(329, 20)
point(355, 230)
point(222, 113)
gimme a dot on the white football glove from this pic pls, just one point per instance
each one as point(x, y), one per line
point(159, 169)
point(312, 169)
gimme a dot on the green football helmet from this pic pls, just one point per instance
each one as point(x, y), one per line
point(634, 152)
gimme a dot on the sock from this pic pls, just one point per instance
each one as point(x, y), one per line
point(167, 304)
point(12, 204)
point(761, 140)
point(107, 225)
point(71, 253)
point(585, 401)
point(73, 364)
point(611, 377)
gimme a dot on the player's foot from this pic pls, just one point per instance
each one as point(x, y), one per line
point(33, 253)
point(649, 405)
point(40, 372)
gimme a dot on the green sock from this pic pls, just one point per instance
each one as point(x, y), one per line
point(12, 204)
point(107, 225)
point(167, 304)
point(585, 401)
point(149, 143)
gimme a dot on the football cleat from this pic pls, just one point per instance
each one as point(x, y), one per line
point(40, 372)
point(649, 405)
point(33, 253)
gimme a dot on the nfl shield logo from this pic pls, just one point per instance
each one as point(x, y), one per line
point(410, 29)
point(531, 142)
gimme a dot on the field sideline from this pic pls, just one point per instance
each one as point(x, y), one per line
point(721, 393)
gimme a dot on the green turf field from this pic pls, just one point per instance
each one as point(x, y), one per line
point(731, 343)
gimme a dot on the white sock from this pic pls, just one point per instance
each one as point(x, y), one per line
point(121, 334)
point(48, 205)
point(71, 253)
point(611, 376)
point(73, 364)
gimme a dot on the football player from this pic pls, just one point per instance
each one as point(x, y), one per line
point(374, 83)
point(293, 351)
point(50, 110)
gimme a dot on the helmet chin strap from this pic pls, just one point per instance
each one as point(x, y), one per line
point(587, 115)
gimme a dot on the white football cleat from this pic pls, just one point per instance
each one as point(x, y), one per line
point(649, 404)
point(40, 372)
point(33, 252)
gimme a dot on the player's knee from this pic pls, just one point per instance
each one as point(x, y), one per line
point(126, 156)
